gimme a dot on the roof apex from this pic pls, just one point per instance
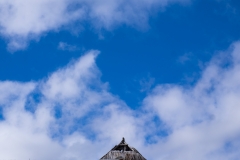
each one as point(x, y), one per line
point(123, 142)
point(123, 149)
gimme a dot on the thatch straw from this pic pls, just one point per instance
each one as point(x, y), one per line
point(126, 155)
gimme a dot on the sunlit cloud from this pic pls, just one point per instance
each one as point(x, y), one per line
point(24, 20)
point(72, 113)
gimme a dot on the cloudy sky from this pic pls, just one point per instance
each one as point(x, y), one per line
point(78, 75)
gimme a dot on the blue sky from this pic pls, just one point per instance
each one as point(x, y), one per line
point(79, 74)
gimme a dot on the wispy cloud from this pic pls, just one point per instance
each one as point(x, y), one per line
point(184, 58)
point(147, 83)
point(67, 47)
point(71, 114)
point(23, 20)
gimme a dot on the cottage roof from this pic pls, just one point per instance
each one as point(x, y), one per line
point(123, 151)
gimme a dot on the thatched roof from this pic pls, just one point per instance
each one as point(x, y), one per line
point(123, 151)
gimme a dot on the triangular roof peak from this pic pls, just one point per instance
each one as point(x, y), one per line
point(122, 146)
point(123, 150)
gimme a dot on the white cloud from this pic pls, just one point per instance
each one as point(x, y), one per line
point(31, 128)
point(71, 114)
point(22, 20)
point(202, 120)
